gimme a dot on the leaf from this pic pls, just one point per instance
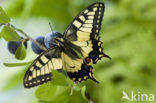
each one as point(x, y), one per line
point(9, 34)
point(16, 64)
point(83, 93)
point(62, 98)
point(59, 79)
point(20, 52)
point(74, 87)
point(3, 16)
point(61, 95)
point(45, 92)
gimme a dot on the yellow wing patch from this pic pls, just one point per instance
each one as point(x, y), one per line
point(69, 64)
point(40, 70)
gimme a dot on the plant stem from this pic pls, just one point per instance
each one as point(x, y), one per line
point(20, 31)
point(1, 24)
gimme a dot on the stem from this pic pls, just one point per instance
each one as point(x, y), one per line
point(71, 91)
point(1, 24)
point(90, 100)
point(19, 30)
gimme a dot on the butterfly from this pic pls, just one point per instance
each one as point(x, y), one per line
point(75, 50)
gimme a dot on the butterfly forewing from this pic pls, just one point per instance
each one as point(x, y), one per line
point(84, 32)
point(40, 70)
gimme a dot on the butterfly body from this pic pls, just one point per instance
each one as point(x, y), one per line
point(75, 50)
point(49, 38)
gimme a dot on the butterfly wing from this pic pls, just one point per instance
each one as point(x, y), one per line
point(40, 70)
point(83, 33)
point(76, 67)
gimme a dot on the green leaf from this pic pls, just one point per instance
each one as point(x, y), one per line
point(20, 52)
point(16, 64)
point(76, 87)
point(45, 92)
point(59, 79)
point(61, 95)
point(9, 34)
point(83, 91)
point(62, 98)
point(3, 16)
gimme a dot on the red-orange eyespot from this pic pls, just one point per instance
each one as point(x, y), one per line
point(87, 60)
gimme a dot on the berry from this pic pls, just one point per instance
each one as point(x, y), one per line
point(13, 45)
point(49, 38)
point(35, 47)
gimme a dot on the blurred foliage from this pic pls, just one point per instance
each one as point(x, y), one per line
point(15, 81)
point(3, 16)
point(129, 37)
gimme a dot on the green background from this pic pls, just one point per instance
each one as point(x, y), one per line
point(129, 38)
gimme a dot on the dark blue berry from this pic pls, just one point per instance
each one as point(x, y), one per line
point(12, 46)
point(49, 39)
point(35, 47)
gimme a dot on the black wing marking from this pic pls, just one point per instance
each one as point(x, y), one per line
point(84, 32)
point(76, 67)
point(85, 73)
point(40, 70)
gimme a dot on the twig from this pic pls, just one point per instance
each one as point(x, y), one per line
point(90, 100)
point(1, 24)
point(19, 30)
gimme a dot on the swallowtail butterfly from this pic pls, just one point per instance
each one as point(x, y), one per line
point(75, 50)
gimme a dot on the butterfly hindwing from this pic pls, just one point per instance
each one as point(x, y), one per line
point(40, 70)
point(84, 32)
point(86, 72)
point(76, 67)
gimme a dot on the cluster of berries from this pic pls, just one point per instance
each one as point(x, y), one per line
point(46, 41)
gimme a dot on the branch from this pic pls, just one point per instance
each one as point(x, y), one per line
point(19, 30)
point(1, 24)
point(90, 100)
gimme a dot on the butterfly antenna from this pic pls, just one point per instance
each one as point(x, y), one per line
point(51, 27)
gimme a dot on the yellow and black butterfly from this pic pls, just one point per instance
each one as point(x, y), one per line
point(79, 46)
